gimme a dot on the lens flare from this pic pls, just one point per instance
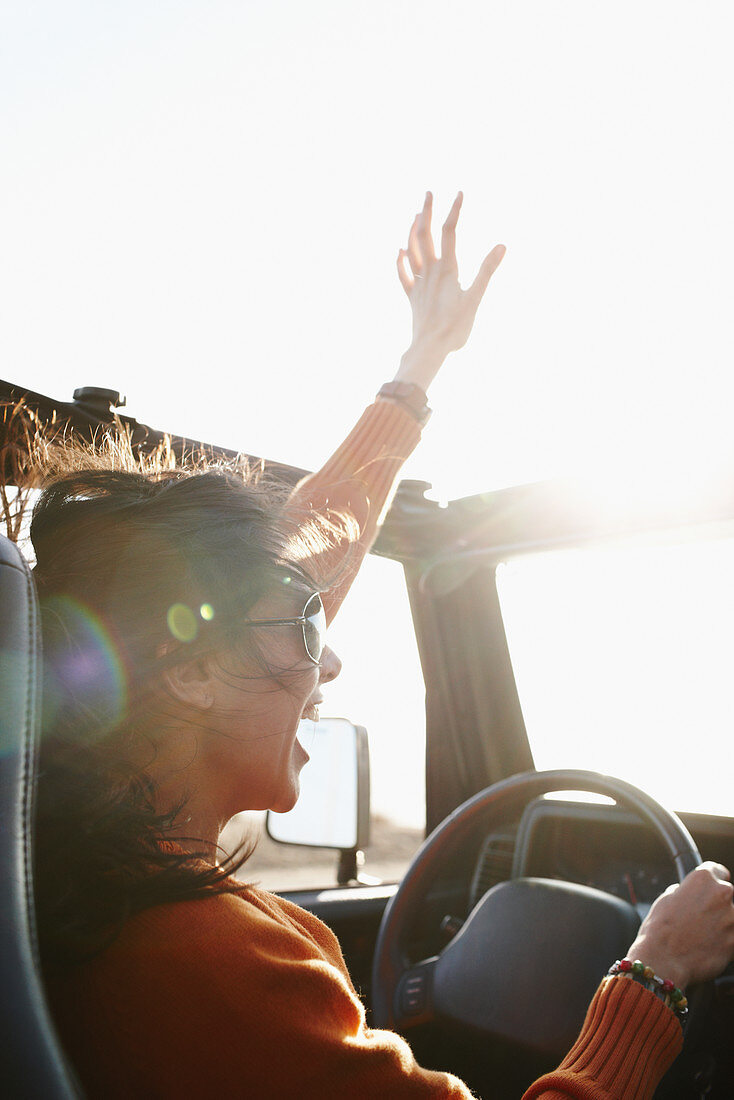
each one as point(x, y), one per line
point(182, 622)
point(84, 670)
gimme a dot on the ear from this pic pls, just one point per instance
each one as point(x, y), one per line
point(191, 683)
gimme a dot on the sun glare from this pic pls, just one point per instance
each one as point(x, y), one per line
point(623, 658)
point(202, 207)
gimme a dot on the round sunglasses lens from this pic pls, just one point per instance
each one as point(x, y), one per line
point(314, 628)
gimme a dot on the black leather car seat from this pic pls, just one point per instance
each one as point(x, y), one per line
point(32, 1064)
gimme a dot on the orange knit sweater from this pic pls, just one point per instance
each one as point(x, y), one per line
point(246, 995)
point(358, 480)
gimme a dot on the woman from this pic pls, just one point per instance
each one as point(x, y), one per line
point(184, 635)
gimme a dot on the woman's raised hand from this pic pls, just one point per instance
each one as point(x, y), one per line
point(443, 313)
point(688, 935)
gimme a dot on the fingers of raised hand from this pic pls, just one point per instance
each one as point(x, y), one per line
point(406, 280)
point(415, 251)
point(421, 251)
point(448, 233)
point(423, 229)
point(489, 265)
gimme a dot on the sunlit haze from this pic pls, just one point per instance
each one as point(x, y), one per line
point(202, 203)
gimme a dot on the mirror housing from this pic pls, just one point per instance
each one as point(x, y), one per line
point(333, 809)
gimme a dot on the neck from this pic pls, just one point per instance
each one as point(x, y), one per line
point(179, 775)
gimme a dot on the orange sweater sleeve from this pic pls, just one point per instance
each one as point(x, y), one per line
point(628, 1041)
point(246, 995)
point(356, 481)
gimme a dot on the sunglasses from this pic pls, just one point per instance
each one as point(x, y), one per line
point(312, 622)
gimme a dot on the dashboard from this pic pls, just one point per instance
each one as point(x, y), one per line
point(594, 845)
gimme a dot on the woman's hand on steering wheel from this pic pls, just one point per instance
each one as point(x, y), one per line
point(688, 935)
point(443, 313)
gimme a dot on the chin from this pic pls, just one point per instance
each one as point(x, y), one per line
point(283, 805)
point(287, 799)
point(288, 793)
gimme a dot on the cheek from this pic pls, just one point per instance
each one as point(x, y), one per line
point(268, 710)
point(274, 667)
point(260, 710)
point(278, 660)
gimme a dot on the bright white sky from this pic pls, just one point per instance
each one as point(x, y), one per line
point(202, 203)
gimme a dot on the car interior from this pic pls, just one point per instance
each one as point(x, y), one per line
point(202, 207)
point(510, 862)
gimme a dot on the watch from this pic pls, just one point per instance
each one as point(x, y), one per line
point(410, 396)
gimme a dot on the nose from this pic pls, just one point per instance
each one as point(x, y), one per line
point(330, 666)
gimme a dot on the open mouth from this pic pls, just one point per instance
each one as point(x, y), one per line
point(311, 712)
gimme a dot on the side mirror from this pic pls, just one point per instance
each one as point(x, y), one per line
point(333, 810)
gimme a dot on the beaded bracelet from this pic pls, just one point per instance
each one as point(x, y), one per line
point(665, 990)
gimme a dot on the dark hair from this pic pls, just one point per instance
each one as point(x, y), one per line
point(133, 565)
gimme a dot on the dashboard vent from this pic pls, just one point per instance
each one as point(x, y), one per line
point(494, 864)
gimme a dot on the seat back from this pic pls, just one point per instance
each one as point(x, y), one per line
point(31, 1062)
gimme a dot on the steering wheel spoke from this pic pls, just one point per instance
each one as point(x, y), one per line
point(414, 995)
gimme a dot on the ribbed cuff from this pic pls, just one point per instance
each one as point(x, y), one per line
point(628, 1041)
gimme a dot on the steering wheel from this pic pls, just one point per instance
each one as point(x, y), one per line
point(529, 957)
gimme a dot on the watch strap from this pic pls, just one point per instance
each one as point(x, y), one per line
point(410, 396)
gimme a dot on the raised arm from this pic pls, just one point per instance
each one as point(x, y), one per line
point(360, 476)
